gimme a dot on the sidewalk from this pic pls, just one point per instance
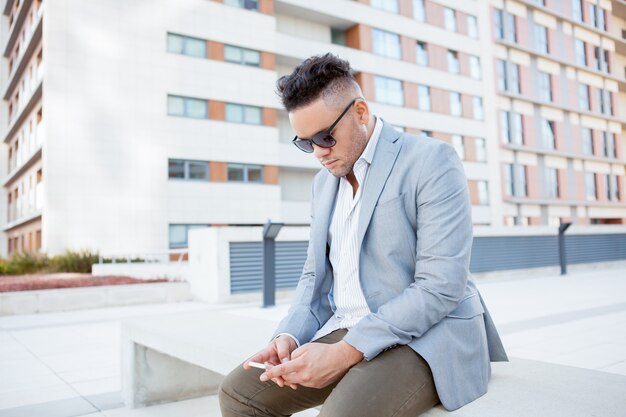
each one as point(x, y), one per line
point(68, 364)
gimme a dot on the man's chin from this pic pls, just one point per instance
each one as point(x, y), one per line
point(337, 172)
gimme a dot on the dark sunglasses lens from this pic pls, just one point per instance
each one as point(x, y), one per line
point(325, 141)
point(304, 145)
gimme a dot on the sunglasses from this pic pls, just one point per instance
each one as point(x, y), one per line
point(323, 139)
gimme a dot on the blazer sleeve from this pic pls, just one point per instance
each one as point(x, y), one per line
point(300, 321)
point(443, 247)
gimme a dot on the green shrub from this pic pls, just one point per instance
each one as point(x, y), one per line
point(73, 261)
point(25, 263)
point(21, 263)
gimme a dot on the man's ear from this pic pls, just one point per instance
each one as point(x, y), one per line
point(363, 112)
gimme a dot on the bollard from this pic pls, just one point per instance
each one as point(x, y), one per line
point(270, 231)
point(562, 259)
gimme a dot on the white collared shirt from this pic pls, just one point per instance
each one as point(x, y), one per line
point(344, 251)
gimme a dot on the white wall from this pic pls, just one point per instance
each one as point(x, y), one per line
point(108, 136)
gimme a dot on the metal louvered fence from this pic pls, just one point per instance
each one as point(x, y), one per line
point(489, 253)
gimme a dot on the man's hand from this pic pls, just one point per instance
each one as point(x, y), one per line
point(316, 365)
point(278, 351)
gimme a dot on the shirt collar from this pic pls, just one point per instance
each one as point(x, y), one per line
point(368, 153)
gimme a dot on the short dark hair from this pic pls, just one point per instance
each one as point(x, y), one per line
point(315, 76)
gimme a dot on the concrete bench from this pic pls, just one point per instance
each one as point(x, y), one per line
point(185, 355)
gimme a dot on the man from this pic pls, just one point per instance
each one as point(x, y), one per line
point(386, 320)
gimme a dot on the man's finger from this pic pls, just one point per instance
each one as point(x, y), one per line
point(261, 357)
point(279, 370)
point(282, 349)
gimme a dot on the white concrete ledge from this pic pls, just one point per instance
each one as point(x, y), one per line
point(180, 356)
point(524, 388)
point(63, 299)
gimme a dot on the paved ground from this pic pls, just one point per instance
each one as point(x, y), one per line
point(67, 364)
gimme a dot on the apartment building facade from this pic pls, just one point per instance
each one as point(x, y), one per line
point(126, 124)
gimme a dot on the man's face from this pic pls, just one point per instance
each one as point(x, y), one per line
point(350, 134)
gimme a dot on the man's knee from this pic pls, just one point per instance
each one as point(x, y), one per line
point(227, 393)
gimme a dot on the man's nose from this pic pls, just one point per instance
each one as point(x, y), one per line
point(320, 152)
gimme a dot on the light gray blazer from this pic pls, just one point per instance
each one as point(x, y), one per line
point(415, 235)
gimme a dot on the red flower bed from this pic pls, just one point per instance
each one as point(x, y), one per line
point(64, 280)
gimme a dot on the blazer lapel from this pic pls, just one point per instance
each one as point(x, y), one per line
point(387, 150)
point(325, 201)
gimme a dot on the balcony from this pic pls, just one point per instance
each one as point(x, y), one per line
point(20, 169)
point(21, 220)
point(22, 113)
point(24, 60)
point(16, 29)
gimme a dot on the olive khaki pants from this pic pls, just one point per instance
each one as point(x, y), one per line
point(398, 382)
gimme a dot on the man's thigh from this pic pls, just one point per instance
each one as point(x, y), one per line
point(397, 383)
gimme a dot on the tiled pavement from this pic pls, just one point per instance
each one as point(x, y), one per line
point(68, 364)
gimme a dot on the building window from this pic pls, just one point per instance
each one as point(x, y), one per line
point(450, 19)
point(426, 133)
point(238, 113)
point(338, 36)
point(614, 187)
point(242, 56)
point(245, 173)
point(472, 26)
point(475, 71)
point(587, 139)
point(477, 104)
point(508, 76)
point(514, 84)
point(483, 193)
point(188, 170)
point(453, 62)
point(388, 91)
point(480, 149)
point(597, 53)
point(509, 185)
point(590, 186)
point(608, 140)
point(187, 107)
point(512, 128)
point(521, 185)
point(386, 44)
point(179, 234)
point(552, 183)
point(511, 28)
point(502, 75)
point(422, 54)
point(581, 52)
point(455, 104)
point(547, 130)
point(604, 98)
point(387, 5)
point(419, 10)
point(243, 4)
point(499, 21)
point(186, 45)
point(606, 66)
point(577, 10)
point(459, 147)
point(423, 97)
point(583, 97)
point(598, 16)
point(541, 39)
point(545, 86)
